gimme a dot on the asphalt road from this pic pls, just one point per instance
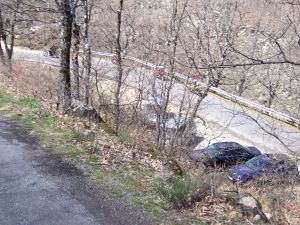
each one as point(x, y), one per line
point(37, 188)
point(254, 128)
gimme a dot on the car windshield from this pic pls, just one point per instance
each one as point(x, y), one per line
point(212, 150)
point(213, 147)
point(223, 145)
point(257, 163)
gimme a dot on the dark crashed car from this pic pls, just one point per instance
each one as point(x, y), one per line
point(267, 166)
point(223, 154)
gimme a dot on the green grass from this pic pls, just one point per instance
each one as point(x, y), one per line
point(126, 138)
point(40, 121)
point(27, 102)
point(5, 98)
point(92, 160)
point(81, 137)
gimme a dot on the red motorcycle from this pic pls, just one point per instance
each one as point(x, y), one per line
point(115, 59)
point(195, 79)
point(160, 73)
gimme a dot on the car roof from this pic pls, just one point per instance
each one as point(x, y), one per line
point(274, 157)
point(176, 122)
point(153, 99)
point(279, 157)
point(227, 144)
point(262, 156)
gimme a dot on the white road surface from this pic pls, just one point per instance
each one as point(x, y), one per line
point(226, 120)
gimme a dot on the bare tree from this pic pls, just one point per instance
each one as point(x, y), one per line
point(87, 9)
point(8, 21)
point(175, 28)
point(67, 10)
point(119, 64)
point(75, 60)
point(16, 15)
point(66, 21)
point(2, 57)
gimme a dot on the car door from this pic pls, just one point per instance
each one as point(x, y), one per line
point(221, 157)
point(226, 156)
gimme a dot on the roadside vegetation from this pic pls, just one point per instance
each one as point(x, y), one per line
point(107, 160)
point(169, 191)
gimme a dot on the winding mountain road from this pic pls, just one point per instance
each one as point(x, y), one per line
point(231, 121)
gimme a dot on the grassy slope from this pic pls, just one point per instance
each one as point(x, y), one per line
point(64, 135)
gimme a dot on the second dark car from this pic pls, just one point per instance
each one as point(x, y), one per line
point(223, 153)
point(267, 166)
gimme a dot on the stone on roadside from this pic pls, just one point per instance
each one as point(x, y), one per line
point(79, 109)
point(248, 204)
point(89, 135)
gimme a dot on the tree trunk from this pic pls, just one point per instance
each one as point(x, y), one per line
point(241, 85)
point(75, 61)
point(180, 114)
point(66, 39)
point(10, 50)
point(272, 96)
point(175, 29)
point(196, 107)
point(9, 47)
point(120, 68)
point(87, 52)
point(2, 58)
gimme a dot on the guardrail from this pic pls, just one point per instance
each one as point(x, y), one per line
point(260, 108)
point(53, 64)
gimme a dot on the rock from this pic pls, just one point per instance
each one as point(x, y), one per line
point(249, 201)
point(268, 215)
point(174, 166)
point(79, 109)
point(193, 140)
point(89, 135)
point(249, 205)
point(256, 218)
